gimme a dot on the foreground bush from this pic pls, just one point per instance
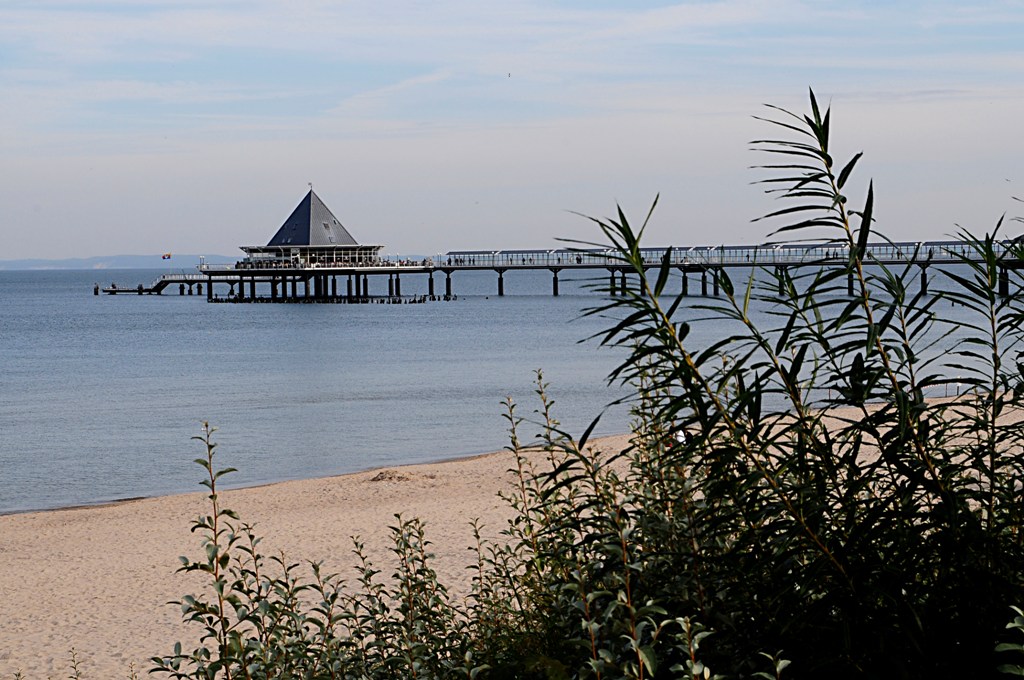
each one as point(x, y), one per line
point(791, 503)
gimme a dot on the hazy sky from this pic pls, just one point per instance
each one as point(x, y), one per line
point(134, 126)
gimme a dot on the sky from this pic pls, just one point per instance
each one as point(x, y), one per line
point(143, 126)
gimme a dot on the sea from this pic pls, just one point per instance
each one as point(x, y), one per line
point(101, 396)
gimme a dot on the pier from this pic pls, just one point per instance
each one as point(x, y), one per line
point(313, 258)
point(697, 267)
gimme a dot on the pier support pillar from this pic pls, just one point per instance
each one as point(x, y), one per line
point(716, 279)
point(448, 284)
point(622, 282)
point(391, 285)
point(1004, 282)
point(366, 286)
point(398, 285)
point(252, 288)
point(273, 288)
point(295, 288)
point(611, 283)
point(348, 294)
point(430, 284)
point(924, 280)
point(305, 286)
point(554, 282)
point(181, 289)
point(849, 284)
point(209, 289)
point(704, 282)
point(501, 283)
point(334, 287)
point(686, 282)
point(781, 276)
point(241, 289)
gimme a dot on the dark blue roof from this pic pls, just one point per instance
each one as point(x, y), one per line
point(312, 224)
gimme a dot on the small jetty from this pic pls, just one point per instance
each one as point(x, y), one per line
point(313, 258)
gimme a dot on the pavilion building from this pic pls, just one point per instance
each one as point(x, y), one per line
point(311, 237)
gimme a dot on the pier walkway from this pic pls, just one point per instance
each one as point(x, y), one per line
point(298, 280)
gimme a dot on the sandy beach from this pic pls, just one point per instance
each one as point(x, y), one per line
point(97, 579)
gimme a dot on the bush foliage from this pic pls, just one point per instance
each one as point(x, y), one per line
point(791, 503)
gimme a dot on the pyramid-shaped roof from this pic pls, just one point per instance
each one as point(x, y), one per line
point(312, 224)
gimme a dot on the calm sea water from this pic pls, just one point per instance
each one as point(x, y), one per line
point(100, 396)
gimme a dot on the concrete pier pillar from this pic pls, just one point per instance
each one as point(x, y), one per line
point(1004, 282)
point(924, 280)
point(181, 289)
point(348, 293)
point(781, 271)
point(295, 288)
point(273, 288)
point(501, 283)
point(334, 286)
point(252, 288)
point(366, 286)
point(716, 279)
point(209, 289)
point(430, 284)
point(241, 289)
point(554, 282)
point(305, 286)
point(391, 285)
point(398, 285)
point(611, 283)
point(448, 284)
point(704, 282)
point(849, 284)
point(622, 282)
point(686, 282)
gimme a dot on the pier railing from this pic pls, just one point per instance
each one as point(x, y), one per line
point(712, 256)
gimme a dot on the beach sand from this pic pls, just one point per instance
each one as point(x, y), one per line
point(98, 579)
